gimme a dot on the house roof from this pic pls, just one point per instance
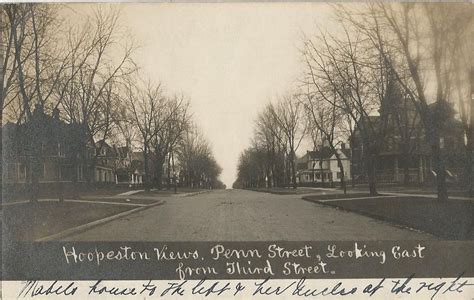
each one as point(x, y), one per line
point(324, 153)
point(138, 155)
point(122, 151)
point(347, 152)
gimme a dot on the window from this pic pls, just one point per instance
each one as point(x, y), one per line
point(61, 152)
point(80, 173)
point(22, 172)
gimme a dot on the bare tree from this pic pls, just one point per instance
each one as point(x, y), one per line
point(196, 161)
point(32, 66)
point(288, 116)
point(89, 96)
point(325, 118)
point(170, 123)
point(144, 107)
point(361, 84)
point(270, 136)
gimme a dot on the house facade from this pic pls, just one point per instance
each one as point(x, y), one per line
point(47, 151)
point(131, 168)
point(322, 165)
point(405, 155)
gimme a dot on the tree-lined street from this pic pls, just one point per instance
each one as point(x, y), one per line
point(105, 108)
point(239, 215)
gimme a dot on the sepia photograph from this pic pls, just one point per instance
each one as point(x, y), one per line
point(237, 122)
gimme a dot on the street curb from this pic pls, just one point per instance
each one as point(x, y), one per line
point(372, 216)
point(84, 227)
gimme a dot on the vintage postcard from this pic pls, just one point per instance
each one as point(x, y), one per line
point(237, 150)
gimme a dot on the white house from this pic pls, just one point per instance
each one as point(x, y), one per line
point(319, 165)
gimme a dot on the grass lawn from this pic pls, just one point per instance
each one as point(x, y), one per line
point(341, 196)
point(30, 221)
point(286, 191)
point(169, 192)
point(450, 220)
point(132, 199)
point(107, 191)
point(51, 193)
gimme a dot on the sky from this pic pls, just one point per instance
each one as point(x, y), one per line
point(229, 59)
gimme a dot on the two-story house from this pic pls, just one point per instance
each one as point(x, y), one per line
point(322, 165)
point(405, 154)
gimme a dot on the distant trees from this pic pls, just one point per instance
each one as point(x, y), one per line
point(170, 126)
point(251, 172)
point(271, 160)
point(269, 138)
point(288, 115)
point(144, 105)
point(196, 162)
point(168, 138)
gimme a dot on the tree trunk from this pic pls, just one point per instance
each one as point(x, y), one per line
point(159, 171)
point(406, 173)
point(341, 170)
point(34, 180)
point(321, 172)
point(74, 179)
point(440, 170)
point(470, 143)
point(293, 173)
point(59, 185)
point(343, 180)
point(351, 144)
point(169, 172)
point(470, 162)
point(146, 178)
point(34, 161)
point(371, 175)
point(406, 162)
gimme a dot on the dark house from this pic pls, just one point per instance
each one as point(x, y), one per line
point(45, 150)
point(405, 155)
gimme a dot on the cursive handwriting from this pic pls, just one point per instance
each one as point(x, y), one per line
point(33, 288)
point(408, 287)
